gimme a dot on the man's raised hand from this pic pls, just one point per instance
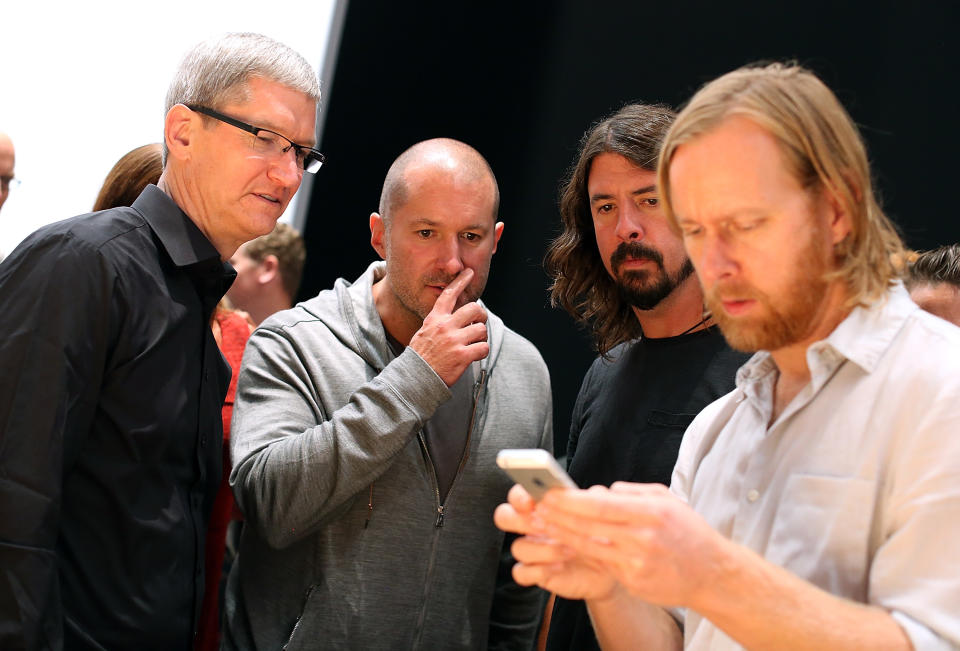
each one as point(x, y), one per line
point(451, 339)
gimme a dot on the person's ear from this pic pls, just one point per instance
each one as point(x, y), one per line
point(269, 269)
point(839, 219)
point(497, 232)
point(178, 128)
point(378, 235)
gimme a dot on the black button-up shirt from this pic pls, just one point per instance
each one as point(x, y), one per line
point(110, 392)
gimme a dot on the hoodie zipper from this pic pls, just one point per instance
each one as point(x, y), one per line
point(478, 386)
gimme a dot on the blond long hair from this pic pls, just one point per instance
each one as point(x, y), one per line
point(823, 149)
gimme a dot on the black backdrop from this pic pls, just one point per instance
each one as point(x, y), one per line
point(521, 81)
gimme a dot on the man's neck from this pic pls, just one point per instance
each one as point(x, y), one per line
point(399, 322)
point(678, 313)
point(791, 360)
point(268, 304)
point(179, 190)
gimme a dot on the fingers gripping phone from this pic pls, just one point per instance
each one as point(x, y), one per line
point(534, 469)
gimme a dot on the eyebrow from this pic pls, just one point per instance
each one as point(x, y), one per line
point(269, 126)
point(423, 221)
point(644, 190)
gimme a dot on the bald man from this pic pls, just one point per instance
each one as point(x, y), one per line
point(365, 430)
point(7, 159)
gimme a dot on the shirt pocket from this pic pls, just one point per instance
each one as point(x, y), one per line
point(821, 532)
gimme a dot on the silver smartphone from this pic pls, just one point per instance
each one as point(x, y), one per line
point(534, 469)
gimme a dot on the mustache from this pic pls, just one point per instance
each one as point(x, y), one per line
point(732, 289)
point(634, 250)
point(439, 279)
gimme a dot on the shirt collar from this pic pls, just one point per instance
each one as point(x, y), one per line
point(867, 332)
point(183, 241)
point(862, 337)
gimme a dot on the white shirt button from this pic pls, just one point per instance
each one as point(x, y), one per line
point(753, 494)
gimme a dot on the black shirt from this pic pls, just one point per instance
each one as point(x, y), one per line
point(627, 425)
point(110, 428)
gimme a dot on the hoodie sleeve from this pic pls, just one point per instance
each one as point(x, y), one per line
point(296, 461)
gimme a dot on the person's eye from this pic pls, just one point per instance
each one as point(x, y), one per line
point(747, 225)
point(604, 208)
point(471, 237)
point(650, 202)
point(424, 233)
point(691, 230)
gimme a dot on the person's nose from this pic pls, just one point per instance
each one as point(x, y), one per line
point(712, 256)
point(629, 226)
point(451, 258)
point(286, 170)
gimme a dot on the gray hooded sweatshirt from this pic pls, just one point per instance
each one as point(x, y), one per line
point(346, 544)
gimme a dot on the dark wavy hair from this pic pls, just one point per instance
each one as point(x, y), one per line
point(581, 284)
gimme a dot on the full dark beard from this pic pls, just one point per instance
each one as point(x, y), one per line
point(645, 289)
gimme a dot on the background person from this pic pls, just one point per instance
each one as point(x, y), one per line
point(7, 164)
point(269, 270)
point(135, 170)
point(933, 280)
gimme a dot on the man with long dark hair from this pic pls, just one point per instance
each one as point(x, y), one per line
point(619, 268)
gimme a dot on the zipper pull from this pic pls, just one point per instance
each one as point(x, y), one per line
point(439, 516)
point(366, 522)
point(479, 383)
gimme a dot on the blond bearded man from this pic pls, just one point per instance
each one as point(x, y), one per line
point(817, 505)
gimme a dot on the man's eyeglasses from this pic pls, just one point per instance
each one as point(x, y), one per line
point(269, 143)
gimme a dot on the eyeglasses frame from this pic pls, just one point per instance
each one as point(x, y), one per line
point(249, 128)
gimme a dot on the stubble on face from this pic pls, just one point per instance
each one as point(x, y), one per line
point(644, 288)
point(784, 320)
point(413, 295)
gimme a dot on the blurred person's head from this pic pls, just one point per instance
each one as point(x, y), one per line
point(239, 134)
point(269, 270)
point(134, 171)
point(437, 216)
point(933, 279)
point(7, 161)
point(767, 178)
point(617, 256)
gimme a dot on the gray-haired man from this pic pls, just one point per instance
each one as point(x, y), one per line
point(112, 384)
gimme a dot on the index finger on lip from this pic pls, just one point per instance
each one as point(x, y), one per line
point(448, 297)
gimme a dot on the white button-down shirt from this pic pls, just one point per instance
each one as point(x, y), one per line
point(856, 486)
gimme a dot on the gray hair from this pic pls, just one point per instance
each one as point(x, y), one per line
point(216, 71)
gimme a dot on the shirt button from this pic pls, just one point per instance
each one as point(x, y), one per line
point(752, 495)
